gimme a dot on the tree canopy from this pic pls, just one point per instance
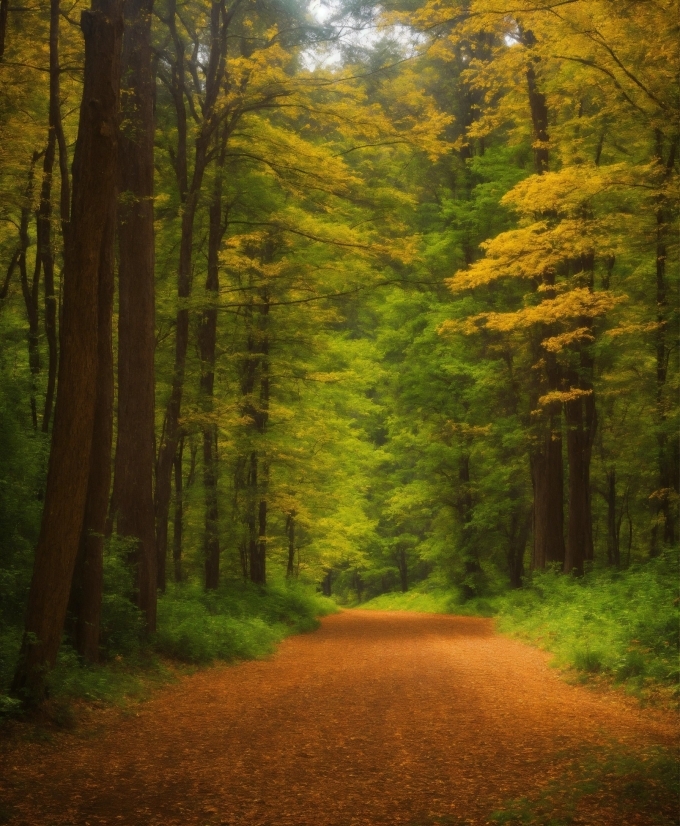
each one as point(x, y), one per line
point(357, 298)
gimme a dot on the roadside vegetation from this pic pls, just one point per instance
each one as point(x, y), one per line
point(238, 621)
point(617, 624)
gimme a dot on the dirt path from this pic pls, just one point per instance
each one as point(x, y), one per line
point(376, 719)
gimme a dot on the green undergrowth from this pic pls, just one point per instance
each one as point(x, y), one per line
point(607, 787)
point(620, 625)
point(434, 601)
point(239, 621)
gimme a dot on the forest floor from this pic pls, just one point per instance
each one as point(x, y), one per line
point(376, 719)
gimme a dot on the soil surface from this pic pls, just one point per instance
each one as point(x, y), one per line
point(378, 718)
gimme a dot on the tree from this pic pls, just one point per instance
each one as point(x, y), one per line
point(132, 500)
point(67, 480)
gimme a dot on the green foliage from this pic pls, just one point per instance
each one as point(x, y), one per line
point(239, 621)
point(623, 624)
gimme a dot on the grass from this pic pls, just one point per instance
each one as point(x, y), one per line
point(618, 625)
point(237, 622)
point(434, 601)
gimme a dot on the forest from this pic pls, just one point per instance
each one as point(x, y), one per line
point(337, 300)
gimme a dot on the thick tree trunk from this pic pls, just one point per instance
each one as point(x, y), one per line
point(547, 471)
point(69, 466)
point(132, 502)
point(580, 421)
point(548, 487)
point(86, 588)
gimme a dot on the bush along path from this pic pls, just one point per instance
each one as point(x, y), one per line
point(378, 718)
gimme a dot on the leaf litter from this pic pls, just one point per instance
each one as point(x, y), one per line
point(377, 719)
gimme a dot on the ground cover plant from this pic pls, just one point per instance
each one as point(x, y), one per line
point(618, 624)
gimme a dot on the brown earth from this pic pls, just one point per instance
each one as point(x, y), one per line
point(377, 718)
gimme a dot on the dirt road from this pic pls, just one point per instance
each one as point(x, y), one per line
point(375, 719)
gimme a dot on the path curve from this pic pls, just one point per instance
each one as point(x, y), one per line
point(378, 718)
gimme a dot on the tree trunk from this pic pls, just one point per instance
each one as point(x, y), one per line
point(45, 257)
point(214, 77)
point(402, 564)
point(132, 501)
point(547, 471)
point(69, 465)
point(30, 290)
point(471, 567)
point(179, 512)
point(548, 514)
point(580, 421)
point(4, 9)
point(56, 136)
point(666, 449)
point(207, 338)
point(86, 588)
point(290, 532)
point(256, 568)
point(613, 525)
point(520, 525)
point(262, 538)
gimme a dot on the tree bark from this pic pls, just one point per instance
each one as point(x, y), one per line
point(547, 469)
point(580, 421)
point(613, 525)
point(520, 525)
point(667, 450)
point(30, 290)
point(178, 520)
point(548, 487)
point(86, 588)
point(219, 23)
point(581, 424)
point(4, 9)
point(69, 465)
point(290, 532)
point(207, 339)
point(132, 501)
point(55, 136)
point(46, 258)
